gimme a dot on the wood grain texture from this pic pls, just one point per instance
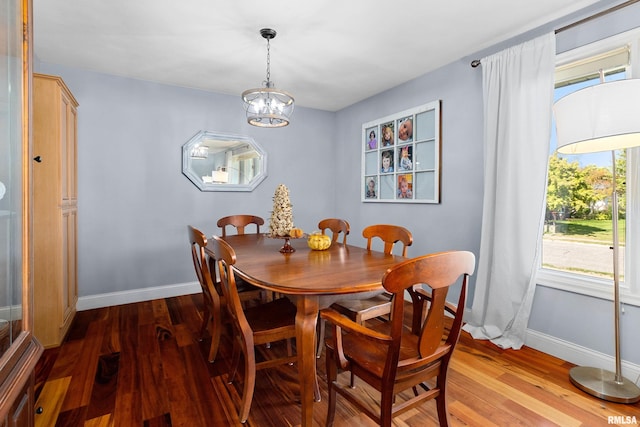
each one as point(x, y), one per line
point(54, 209)
point(142, 365)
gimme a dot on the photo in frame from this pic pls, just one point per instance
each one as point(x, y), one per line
point(401, 157)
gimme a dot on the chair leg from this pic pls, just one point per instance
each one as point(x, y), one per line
point(235, 361)
point(215, 342)
point(386, 408)
point(289, 348)
point(249, 384)
point(216, 332)
point(443, 414)
point(320, 327)
point(332, 374)
point(441, 399)
point(358, 319)
point(316, 390)
point(206, 318)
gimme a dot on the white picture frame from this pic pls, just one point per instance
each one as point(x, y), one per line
point(401, 157)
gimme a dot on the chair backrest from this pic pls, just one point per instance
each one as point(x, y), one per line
point(438, 272)
point(239, 222)
point(198, 241)
point(226, 258)
point(390, 234)
point(336, 226)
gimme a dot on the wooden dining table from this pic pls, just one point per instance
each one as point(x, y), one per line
point(313, 280)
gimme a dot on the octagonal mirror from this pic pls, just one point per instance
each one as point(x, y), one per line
point(223, 162)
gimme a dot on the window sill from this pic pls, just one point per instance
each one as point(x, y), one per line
point(590, 286)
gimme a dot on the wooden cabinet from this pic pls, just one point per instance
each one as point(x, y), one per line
point(21, 413)
point(19, 351)
point(55, 208)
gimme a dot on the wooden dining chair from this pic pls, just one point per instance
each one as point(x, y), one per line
point(212, 314)
point(392, 357)
point(336, 226)
point(265, 323)
point(240, 222)
point(360, 310)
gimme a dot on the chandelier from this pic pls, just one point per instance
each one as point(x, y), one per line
point(267, 106)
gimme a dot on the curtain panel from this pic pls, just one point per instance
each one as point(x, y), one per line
point(517, 98)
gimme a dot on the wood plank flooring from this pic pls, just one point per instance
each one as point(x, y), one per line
point(143, 365)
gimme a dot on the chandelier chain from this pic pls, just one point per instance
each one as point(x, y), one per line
point(268, 62)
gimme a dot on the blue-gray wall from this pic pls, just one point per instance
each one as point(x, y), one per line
point(134, 202)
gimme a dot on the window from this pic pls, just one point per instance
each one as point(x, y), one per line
point(577, 235)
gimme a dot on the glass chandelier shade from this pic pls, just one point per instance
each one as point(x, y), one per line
point(267, 106)
point(200, 152)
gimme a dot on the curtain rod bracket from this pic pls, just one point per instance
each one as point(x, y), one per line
point(475, 63)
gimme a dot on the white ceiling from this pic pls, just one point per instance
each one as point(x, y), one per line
point(328, 53)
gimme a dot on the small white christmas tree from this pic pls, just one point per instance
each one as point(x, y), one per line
point(281, 221)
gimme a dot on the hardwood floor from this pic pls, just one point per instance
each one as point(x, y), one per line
point(142, 365)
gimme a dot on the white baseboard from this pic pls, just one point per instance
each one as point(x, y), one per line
point(136, 295)
point(579, 355)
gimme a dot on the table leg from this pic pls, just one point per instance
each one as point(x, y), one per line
point(306, 319)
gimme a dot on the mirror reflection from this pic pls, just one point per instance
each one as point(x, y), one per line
point(223, 162)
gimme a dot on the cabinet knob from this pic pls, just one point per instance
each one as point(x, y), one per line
point(38, 159)
point(39, 410)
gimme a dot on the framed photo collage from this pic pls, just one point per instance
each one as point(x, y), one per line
point(401, 157)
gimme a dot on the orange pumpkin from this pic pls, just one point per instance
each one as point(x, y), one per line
point(296, 233)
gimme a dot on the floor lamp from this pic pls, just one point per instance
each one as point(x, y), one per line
point(604, 117)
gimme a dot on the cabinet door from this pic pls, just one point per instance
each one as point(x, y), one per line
point(72, 151)
point(64, 147)
point(69, 262)
point(68, 148)
point(22, 412)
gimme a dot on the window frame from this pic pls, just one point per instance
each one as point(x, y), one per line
point(589, 285)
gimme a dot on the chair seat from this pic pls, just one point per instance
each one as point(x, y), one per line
point(360, 310)
point(363, 352)
point(279, 313)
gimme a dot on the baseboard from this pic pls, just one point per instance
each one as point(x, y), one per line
point(573, 353)
point(579, 355)
point(136, 295)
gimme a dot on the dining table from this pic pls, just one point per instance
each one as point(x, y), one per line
point(313, 280)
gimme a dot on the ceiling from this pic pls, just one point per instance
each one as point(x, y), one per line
point(328, 54)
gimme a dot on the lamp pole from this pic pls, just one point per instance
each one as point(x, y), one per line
point(603, 118)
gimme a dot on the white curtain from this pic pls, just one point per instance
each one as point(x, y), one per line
point(518, 96)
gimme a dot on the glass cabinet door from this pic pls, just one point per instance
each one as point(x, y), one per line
point(11, 173)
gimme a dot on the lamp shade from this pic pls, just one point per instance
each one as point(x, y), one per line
point(220, 176)
point(603, 117)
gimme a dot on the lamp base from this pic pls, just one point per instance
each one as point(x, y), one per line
point(601, 383)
